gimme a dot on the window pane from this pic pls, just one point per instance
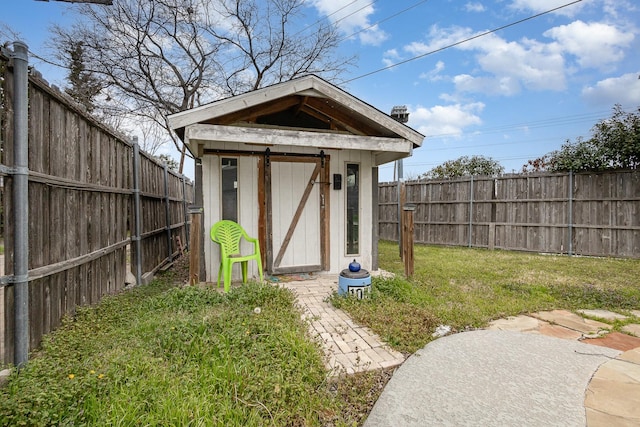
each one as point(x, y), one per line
point(353, 208)
point(230, 189)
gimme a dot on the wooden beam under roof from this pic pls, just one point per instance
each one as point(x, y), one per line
point(201, 132)
point(252, 113)
point(349, 121)
point(333, 123)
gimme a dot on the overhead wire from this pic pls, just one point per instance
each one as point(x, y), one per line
point(324, 18)
point(548, 122)
point(468, 39)
point(382, 20)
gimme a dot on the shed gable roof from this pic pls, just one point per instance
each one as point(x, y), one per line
point(308, 103)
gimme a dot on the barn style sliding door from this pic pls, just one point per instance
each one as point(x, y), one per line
point(295, 213)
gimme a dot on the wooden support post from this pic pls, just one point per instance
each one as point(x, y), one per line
point(407, 239)
point(402, 199)
point(492, 236)
point(195, 213)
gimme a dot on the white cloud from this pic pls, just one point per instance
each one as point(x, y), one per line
point(595, 44)
point(434, 74)
point(624, 90)
point(446, 119)
point(390, 57)
point(439, 38)
point(617, 9)
point(373, 36)
point(504, 85)
point(509, 66)
point(474, 7)
point(536, 66)
point(351, 17)
point(539, 6)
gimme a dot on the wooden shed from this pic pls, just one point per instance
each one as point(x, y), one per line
point(296, 164)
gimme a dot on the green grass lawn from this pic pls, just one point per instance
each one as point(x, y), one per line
point(466, 288)
point(171, 356)
point(166, 355)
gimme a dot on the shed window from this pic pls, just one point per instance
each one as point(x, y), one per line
point(229, 168)
point(353, 208)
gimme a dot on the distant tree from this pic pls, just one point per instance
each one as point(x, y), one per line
point(614, 144)
point(466, 166)
point(155, 58)
point(83, 85)
point(168, 160)
point(618, 138)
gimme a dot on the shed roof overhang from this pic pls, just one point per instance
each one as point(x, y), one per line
point(307, 112)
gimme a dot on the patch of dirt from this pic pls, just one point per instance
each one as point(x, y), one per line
point(359, 392)
point(180, 269)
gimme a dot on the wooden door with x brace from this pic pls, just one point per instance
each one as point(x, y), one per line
point(295, 213)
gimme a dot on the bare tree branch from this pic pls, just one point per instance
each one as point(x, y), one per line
point(155, 58)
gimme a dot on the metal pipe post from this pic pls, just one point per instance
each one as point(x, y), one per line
point(137, 232)
point(185, 211)
point(21, 200)
point(570, 219)
point(167, 211)
point(471, 212)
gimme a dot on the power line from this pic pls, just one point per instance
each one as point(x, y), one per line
point(382, 20)
point(548, 122)
point(461, 42)
point(354, 12)
point(324, 18)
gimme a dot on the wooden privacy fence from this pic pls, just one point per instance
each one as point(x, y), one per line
point(90, 195)
point(574, 213)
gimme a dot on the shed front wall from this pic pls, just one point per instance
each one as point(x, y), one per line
point(248, 209)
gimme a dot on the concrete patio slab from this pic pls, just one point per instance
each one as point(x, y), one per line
point(491, 378)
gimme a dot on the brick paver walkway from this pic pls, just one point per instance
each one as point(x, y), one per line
point(349, 347)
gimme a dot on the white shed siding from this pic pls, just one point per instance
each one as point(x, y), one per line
point(247, 209)
point(211, 201)
point(339, 258)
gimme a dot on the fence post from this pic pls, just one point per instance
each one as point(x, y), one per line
point(20, 58)
point(570, 219)
point(195, 212)
point(167, 212)
point(402, 199)
point(136, 237)
point(407, 239)
point(185, 211)
point(471, 212)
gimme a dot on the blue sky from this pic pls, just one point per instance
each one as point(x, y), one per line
point(513, 95)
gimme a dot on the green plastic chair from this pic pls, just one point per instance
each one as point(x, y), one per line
point(228, 235)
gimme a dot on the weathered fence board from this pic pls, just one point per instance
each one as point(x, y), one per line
point(81, 218)
point(583, 213)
